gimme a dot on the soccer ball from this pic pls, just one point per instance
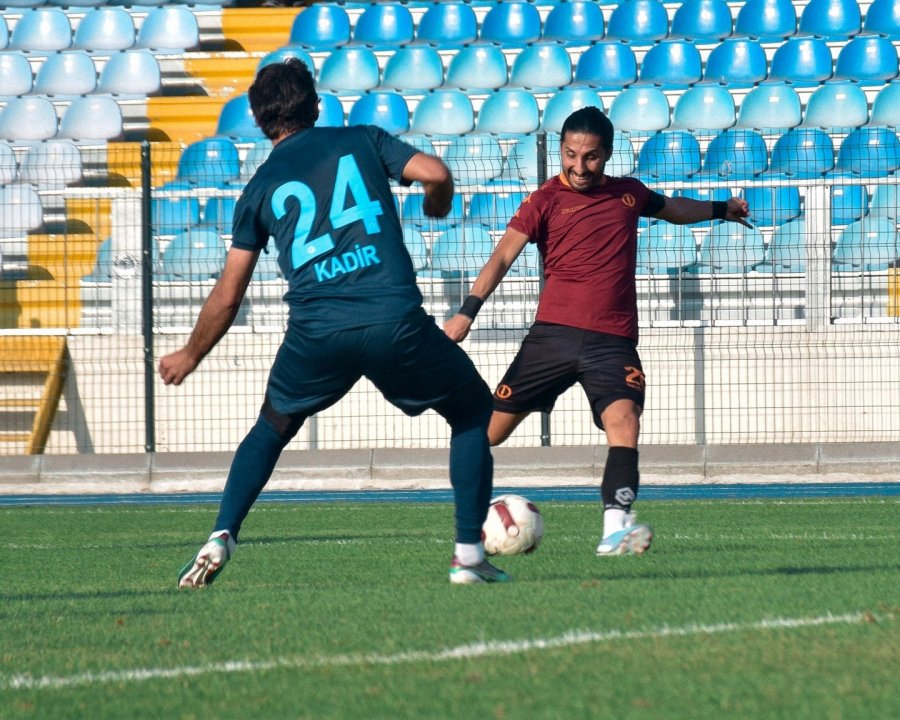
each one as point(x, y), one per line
point(514, 525)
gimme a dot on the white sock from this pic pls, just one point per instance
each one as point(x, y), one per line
point(469, 553)
point(613, 521)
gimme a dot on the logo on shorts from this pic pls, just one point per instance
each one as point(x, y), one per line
point(628, 200)
point(503, 392)
point(625, 496)
point(634, 378)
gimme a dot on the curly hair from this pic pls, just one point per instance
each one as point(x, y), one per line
point(283, 98)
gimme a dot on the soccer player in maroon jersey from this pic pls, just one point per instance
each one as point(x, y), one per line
point(585, 223)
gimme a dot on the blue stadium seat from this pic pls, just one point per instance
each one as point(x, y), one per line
point(42, 29)
point(285, 52)
point(730, 248)
point(802, 61)
point(321, 26)
point(704, 193)
point(622, 161)
point(461, 251)
point(194, 254)
point(541, 66)
point(421, 143)
point(738, 154)
point(831, 19)
point(770, 106)
point(509, 111)
point(886, 202)
point(28, 118)
point(669, 155)
point(103, 265)
point(704, 107)
point(838, 105)
point(702, 20)
point(566, 101)
point(473, 159)
point(869, 152)
point(331, 111)
point(787, 247)
point(16, 77)
point(607, 65)
point(642, 109)
point(418, 250)
point(51, 164)
point(772, 206)
point(387, 110)
point(511, 24)
point(109, 27)
point(169, 28)
point(9, 166)
point(443, 112)
point(349, 69)
point(478, 67)
point(494, 207)
point(521, 158)
point(886, 107)
point(131, 72)
point(4, 33)
point(210, 162)
point(448, 25)
point(848, 203)
point(20, 210)
point(672, 64)
point(413, 68)
point(803, 153)
point(868, 60)
point(766, 20)
point(641, 22)
point(218, 212)
point(736, 62)
point(384, 26)
point(883, 18)
point(236, 120)
point(664, 248)
point(574, 22)
point(172, 214)
point(867, 244)
point(412, 214)
point(255, 155)
point(92, 118)
point(67, 73)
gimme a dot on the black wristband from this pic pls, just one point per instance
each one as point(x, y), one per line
point(470, 307)
point(719, 209)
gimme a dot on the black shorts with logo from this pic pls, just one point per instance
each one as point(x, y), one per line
point(553, 358)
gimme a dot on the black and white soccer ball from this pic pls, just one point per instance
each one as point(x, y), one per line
point(514, 526)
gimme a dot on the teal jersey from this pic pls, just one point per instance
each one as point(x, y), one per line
point(324, 197)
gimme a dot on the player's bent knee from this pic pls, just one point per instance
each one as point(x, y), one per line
point(285, 426)
point(470, 405)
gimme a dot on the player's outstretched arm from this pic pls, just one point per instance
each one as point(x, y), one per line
point(216, 316)
point(494, 270)
point(684, 210)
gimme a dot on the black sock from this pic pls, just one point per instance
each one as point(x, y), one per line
point(620, 478)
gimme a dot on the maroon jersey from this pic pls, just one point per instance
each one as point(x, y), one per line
point(588, 241)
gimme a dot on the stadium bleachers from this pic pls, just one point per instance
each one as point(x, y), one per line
point(702, 92)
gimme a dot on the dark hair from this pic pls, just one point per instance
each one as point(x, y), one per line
point(283, 98)
point(589, 120)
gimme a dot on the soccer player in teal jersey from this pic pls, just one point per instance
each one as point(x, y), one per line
point(584, 223)
point(354, 308)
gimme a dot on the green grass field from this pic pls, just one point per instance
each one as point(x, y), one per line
point(741, 609)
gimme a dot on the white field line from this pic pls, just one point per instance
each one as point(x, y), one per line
point(460, 652)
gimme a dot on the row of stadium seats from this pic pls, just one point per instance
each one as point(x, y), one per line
point(737, 62)
point(870, 244)
point(448, 24)
point(87, 119)
point(75, 72)
point(771, 107)
point(167, 28)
